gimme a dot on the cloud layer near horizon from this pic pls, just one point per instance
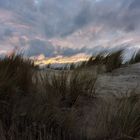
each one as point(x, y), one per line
point(55, 27)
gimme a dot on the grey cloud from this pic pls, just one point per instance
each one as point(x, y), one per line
point(130, 27)
point(62, 18)
point(8, 32)
point(65, 17)
point(5, 32)
point(37, 47)
point(72, 51)
point(55, 18)
point(135, 4)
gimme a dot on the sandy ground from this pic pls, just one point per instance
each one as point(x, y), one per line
point(120, 81)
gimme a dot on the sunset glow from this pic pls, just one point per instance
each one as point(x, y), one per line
point(65, 29)
point(41, 60)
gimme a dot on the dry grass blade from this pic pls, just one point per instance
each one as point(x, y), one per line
point(135, 58)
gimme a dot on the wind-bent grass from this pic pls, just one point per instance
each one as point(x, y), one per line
point(135, 58)
point(48, 106)
point(111, 60)
point(119, 119)
point(114, 60)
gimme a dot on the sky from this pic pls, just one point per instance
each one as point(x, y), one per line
point(66, 28)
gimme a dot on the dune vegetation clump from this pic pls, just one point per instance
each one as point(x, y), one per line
point(62, 105)
point(114, 60)
point(135, 58)
point(110, 61)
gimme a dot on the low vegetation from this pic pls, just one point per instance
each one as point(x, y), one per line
point(111, 61)
point(36, 105)
point(135, 58)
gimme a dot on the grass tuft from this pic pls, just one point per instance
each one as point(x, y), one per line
point(135, 58)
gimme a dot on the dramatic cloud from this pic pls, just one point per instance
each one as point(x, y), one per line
point(37, 47)
point(69, 27)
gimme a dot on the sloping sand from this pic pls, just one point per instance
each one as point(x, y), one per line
point(120, 81)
